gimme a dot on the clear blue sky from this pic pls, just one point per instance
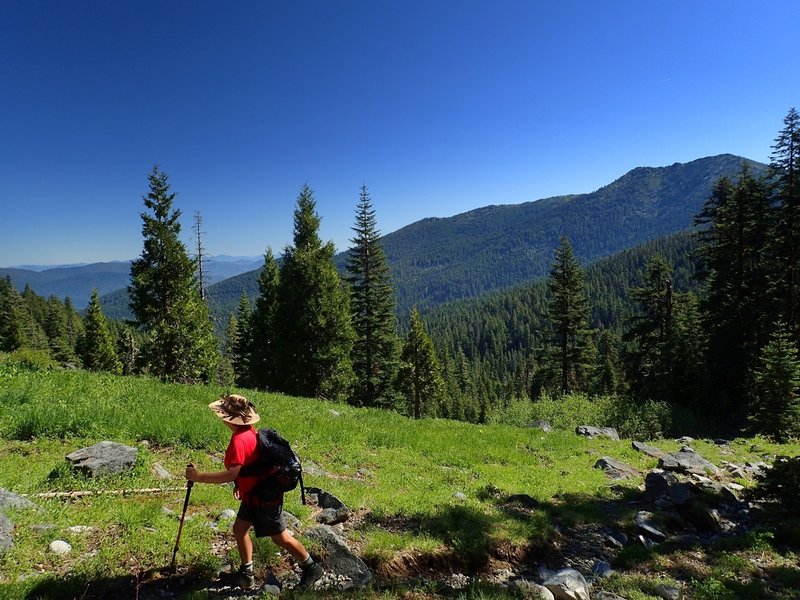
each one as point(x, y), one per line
point(438, 106)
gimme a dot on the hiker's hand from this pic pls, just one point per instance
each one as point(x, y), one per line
point(191, 472)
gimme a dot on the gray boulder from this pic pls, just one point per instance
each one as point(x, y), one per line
point(543, 426)
point(616, 469)
point(530, 590)
point(647, 523)
point(568, 584)
point(681, 493)
point(6, 539)
point(59, 547)
point(333, 510)
point(104, 458)
point(668, 592)
point(657, 485)
point(687, 461)
point(11, 500)
point(648, 450)
point(339, 559)
point(607, 596)
point(595, 432)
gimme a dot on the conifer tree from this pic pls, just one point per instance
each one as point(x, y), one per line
point(420, 375)
point(12, 335)
point(164, 298)
point(735, 305)
point(776, 403)
point(568, 314)
point(97, 347)
point(259, 343)
point(314, 333)
point(240, 342)
point(372, 311)
point(649, 331)
point(785, 246)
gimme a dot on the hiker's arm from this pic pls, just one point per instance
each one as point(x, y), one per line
point(192, 474)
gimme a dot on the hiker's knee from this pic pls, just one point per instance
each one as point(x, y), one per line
point(241, 527)
point(283, 538)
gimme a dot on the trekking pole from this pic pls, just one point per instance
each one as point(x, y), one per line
point(189, 485)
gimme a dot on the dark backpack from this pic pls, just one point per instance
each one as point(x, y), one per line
point(277, 467)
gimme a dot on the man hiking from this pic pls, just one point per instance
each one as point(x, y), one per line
point(266, 518)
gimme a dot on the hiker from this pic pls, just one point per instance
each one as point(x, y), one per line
point(266, 518)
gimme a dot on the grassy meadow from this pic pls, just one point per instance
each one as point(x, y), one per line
point(427, 495)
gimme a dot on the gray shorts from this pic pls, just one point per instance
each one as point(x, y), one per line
point(266, 520)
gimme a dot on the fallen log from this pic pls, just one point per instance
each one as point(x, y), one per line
point(124, 492)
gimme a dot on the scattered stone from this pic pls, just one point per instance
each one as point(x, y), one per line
point(755, 448)
point(339, 559)
point(657, 484)
point(291, 521)
point(312, 468)
point(104, 458)
point(144, 443)
point(543, 426)
point(686, 540)
point(722, 442)
point(460, 496)
point(530, 590)
point(81, 529)
point(668, 592)
point(6, 527)
point(9, 499)
point(601, 595)
point(616, 469)
point(458, 581)
point(568, 584)
point(59, 547)
point(602, 569)
point(334, 510)
point(646, 522)
point(227, 514)
point(366, 473)
point(687, 462)
point(160, 472)
point(334, 413)
point(681, 493)
point(333, 516)
point(167, 511)
point(595, 432)
point(685, 440)
point(648, 450)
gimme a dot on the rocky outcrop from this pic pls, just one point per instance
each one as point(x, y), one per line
point(104, 458)
point(568, 584)
point(333, 510)
point(687, 461)
point(596, 432)
point(616, 469)
point(348, 568)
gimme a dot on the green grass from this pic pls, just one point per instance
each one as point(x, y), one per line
point(403, 478)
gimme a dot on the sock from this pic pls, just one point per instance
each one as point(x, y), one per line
point(247, 567)
point(307, 562)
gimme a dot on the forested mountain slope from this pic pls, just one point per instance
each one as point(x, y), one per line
point(438, 260)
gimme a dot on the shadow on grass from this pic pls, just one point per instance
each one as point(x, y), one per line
point(155, 583)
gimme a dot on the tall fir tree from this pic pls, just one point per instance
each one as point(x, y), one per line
point(372, 311)
point(649, 330)
point(55, 327)
point(12, 335)
point(97, 346)
point(568, 315)
point(736, 309)
point(785, 246)
point(240, 342)
point(314, 333)
point(179, 343)
point(259, 341)
point(775, 409)
point(420, 375)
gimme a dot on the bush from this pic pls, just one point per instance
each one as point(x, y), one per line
point(28, 358)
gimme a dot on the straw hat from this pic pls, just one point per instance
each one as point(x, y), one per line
point(235, 409)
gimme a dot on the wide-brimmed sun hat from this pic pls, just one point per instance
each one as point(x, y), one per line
point(235, 409)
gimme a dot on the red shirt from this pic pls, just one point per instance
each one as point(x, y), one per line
point(242, 451)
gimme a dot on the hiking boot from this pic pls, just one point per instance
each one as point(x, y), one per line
point(310, 575)
point(243, 578)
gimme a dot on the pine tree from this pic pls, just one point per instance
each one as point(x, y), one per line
point(372, 312)
point(785, 175)
point(735, 305)
point(259, 331)
point(420, 375)
point(55, 327)
point(97, 347)
point(164, 296)
point(314, 334)
point(776, 403)
point(649, 331)
point(568, 314)
point(12, 334)
point(240, 342)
